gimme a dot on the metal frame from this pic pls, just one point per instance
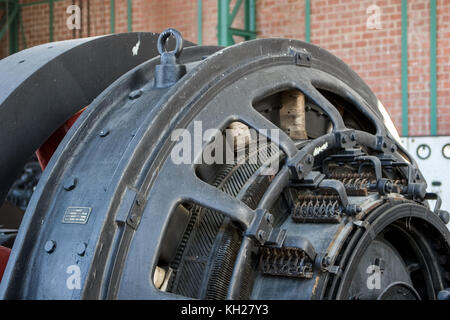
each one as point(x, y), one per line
point(225, 31)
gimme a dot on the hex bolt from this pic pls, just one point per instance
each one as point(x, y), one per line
point(261, 235)
point(326, 262)
point(269, 218)
point(133, 219)
point(388, 186)
point(384, 145)
point(81, 248)
point(353, 137)
point(300, 168)
point(344, 139)
point(70, 183)
point(135, 94)
point(309, 159)
point(393, 148)
point(103, 133)
point(50, 246)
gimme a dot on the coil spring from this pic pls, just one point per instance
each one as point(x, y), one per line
point(287, 262)
point(358, 183)
point(318, 208)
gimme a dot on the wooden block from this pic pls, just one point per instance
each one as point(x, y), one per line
point(292, 114)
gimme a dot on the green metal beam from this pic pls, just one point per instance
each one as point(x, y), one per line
point(9, 18)
point(129, 15)
point(112, 16)
point(243, 33)
point(199, 21)
point(308, 20)
point(223, 34)
point(250, 17)
point(3, 19)
point(235, 10)
point(14, 30)
point(433, 74)
point(225, 20)
point(405, 102)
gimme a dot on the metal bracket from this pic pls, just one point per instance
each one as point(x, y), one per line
point(261, 229)
point(444, 215)
point(301, 57)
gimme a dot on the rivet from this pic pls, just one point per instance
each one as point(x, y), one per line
point(135, 94)
point(50, 246)
point(104, 133)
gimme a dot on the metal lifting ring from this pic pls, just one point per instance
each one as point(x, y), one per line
point(178, 41)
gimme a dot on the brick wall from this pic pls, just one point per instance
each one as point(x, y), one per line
point(336, 25)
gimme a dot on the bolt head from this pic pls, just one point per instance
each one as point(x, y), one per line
point(135, 94)
point(103, 133)
point(261, 235)
point(269, 218)
point(50, 246)
point(388, 186)
point(70, 183)
point(326, 261)
point(81, 248)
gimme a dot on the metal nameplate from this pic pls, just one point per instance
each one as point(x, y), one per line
point(78, 215)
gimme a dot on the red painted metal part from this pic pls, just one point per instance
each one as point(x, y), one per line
point(45, 152)
point(4, 256)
